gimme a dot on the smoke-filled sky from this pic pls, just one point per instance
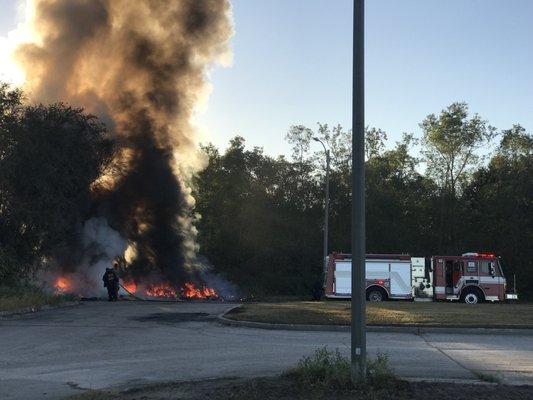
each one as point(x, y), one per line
point(292, 64)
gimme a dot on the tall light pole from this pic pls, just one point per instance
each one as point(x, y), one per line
point(358, 339)
point(326, 208)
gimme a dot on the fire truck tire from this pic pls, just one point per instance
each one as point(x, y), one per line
point(375, 294)
point(472, 296)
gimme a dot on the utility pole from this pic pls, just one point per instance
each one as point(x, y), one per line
point(358, 332)
point(326, 207)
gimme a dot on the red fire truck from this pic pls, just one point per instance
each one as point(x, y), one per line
point(471, 278)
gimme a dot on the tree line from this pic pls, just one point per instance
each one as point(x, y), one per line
point(462, 186)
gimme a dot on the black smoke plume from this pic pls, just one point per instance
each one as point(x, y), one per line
point(139, 65)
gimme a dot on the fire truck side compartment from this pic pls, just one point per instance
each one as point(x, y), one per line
point(393, 275)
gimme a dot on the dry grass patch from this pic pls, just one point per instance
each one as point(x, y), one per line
point(12, 299)
point(388, 313)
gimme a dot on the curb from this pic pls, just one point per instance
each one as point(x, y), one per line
point(417, 330)
point(31, 310)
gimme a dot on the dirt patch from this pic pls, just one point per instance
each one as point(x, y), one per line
point(285, 389)
point(389, 313)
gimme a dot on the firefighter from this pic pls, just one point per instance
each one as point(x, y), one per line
point(318, 291)
point(111, 282)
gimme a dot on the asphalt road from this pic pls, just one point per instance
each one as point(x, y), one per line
point(52, 354)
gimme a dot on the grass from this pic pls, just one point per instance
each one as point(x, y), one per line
point(388, 313)
point(27, 297)
point(330, 371)
point(487, 377)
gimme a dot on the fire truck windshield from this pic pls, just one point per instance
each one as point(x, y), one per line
point(500, 268)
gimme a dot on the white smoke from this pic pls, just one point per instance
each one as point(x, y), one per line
point(101, 245)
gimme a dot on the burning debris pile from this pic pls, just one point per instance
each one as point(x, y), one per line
point(66, 284)
point(164, 290)
point(141, 67)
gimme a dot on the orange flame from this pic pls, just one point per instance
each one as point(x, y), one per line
point(161, 290)
point(130, 286)
point(62, 284)
point(191, 292)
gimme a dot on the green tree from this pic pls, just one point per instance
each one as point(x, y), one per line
point(515, 143)
point(337, 139)
point(450, 145)
point(339, 142)
point(49, 157)
point(260, 223)
point(374, 142)
point(398, 202)
point(498, 207)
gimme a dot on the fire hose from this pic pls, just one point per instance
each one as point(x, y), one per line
point(130, 293)
point(141, 299)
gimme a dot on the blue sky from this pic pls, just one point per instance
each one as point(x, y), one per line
point(292, 65)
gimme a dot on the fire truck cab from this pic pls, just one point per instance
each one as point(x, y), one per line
point(471, 278)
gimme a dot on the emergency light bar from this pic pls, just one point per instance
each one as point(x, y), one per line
point(479, 255)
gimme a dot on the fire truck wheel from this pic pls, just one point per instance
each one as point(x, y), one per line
point(472, 296)
point(375, 295)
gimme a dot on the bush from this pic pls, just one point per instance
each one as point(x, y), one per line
point(324, 369)
point(379, 371)
point(328, 370)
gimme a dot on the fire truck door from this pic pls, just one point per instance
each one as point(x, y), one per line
point(449, 276)
point(456, 272)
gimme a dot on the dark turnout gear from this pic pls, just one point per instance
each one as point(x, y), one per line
point(111, 282)
point(318, 291)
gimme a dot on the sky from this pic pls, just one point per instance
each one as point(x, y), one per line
point(292, 65)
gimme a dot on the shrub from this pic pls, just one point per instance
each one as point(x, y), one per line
point(329, 370)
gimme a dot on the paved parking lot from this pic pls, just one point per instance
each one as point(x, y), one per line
point(51, 354)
